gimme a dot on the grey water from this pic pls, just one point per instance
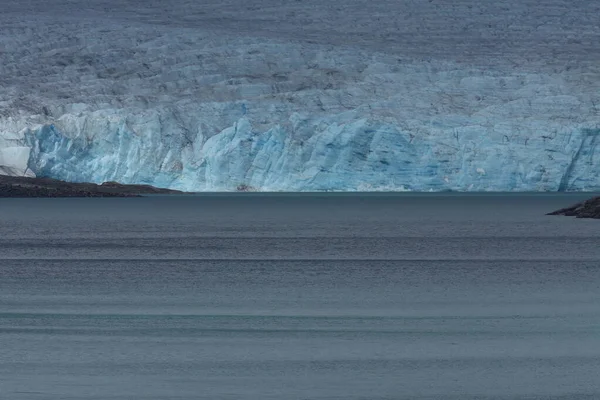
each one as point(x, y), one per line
point(314, 296)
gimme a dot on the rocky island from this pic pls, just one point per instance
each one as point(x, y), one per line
point(587, 209)
point(12, 186)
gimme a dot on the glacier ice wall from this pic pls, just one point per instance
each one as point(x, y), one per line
point(464, 130)
point(204, 98)
point(360, 155)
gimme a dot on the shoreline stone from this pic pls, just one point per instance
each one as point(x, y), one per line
point(24, 187)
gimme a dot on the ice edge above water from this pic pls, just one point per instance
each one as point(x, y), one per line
point(361, 155)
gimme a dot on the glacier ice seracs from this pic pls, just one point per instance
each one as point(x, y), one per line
point(201, 110)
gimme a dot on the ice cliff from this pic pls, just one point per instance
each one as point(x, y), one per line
point(131, 97)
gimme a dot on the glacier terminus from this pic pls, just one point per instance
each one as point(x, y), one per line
point(301, 96)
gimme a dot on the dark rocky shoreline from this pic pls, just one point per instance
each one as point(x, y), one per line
point(587, 209)
point(13, 186)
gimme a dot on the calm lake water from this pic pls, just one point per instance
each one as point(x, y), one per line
point(250, 296)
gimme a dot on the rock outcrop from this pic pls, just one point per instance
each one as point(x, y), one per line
point(587, 209)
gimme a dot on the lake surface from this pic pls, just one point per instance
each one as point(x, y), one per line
point(332, 296)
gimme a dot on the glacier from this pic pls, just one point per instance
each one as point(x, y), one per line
point(174, 99)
